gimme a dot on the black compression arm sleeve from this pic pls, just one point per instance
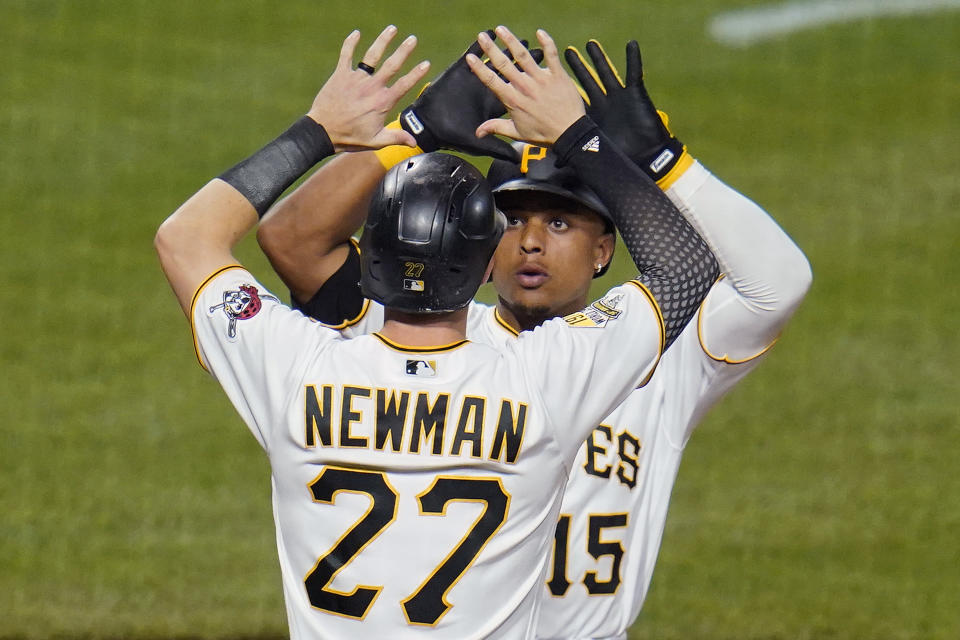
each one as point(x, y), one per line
point(266, 174)
point(675, 263)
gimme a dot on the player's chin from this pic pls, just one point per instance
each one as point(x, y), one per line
point(538, 297)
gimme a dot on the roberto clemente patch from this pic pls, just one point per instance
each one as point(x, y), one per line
point(598, 314)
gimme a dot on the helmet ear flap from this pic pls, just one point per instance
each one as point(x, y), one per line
point(430, 233)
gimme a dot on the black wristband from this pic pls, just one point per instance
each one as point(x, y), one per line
point(266, 174)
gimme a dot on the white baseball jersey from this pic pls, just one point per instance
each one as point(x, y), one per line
point(416, 490)
point(615, 505)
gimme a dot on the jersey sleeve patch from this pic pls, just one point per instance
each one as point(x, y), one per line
point(241, 303)
point(598, 314)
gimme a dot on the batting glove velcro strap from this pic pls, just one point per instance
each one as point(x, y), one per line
point(411, 123)
point(624, 111)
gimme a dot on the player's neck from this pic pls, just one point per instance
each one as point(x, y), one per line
point(424, 330)
point(526, 318)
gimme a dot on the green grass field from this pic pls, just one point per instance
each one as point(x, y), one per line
point(820, 500)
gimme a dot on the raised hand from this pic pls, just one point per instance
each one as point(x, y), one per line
point(624, 110)
point(353, 104)
point(448, 111)
point(541, 102)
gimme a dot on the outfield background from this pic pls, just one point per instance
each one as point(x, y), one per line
point(820, 500)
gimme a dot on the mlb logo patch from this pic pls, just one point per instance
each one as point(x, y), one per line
point(412, 285)
point(422, 368)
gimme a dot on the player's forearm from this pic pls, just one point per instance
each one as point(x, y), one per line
point(305, 235)
point(767, 269)
point(674, 262)
point(198, 238)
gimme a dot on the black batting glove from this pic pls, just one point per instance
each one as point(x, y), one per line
point(624, 111)
point(448, 111)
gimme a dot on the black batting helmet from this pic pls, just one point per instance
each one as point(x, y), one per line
point(538, 171)
point(431, 231)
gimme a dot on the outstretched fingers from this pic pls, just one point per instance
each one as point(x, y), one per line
point(492, 80)
point(345, 62)
point(475, 47)
point(584, 74)
point(499, 64)
point(634, 64)
point(523, 61)
point(353, 104)
point(485, 72)
point(392, 65)
point(605, 68)
point(376, 50)
point(550, 54)
point(407, 81)
point(541, 102)
point(499, 127)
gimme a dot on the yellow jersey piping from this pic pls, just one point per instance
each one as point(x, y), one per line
point(193, 304)
point(503, 323)
point(660, 325)
point(724, 358)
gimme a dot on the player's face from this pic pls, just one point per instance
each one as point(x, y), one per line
point(544, 265)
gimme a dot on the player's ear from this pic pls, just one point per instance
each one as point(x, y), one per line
point(603, 250)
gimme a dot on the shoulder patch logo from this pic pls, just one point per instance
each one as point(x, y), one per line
point(422, 368)
point(598, 313)
point(241, 304)
point(593, 144)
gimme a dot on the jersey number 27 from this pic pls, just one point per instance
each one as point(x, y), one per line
point(428, 603)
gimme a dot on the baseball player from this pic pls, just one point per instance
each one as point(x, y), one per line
point(614, 509)
point(416, 475)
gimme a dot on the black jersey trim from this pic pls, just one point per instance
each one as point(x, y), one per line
point(193, 304)
point(408, 349)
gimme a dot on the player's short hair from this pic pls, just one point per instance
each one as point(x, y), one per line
point(431, 230)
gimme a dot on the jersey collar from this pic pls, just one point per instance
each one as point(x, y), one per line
point(408, 349)
point(503, 323)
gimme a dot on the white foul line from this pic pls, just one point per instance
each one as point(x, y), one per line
point(743, 27)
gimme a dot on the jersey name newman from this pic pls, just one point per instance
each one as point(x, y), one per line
point(412, 421)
